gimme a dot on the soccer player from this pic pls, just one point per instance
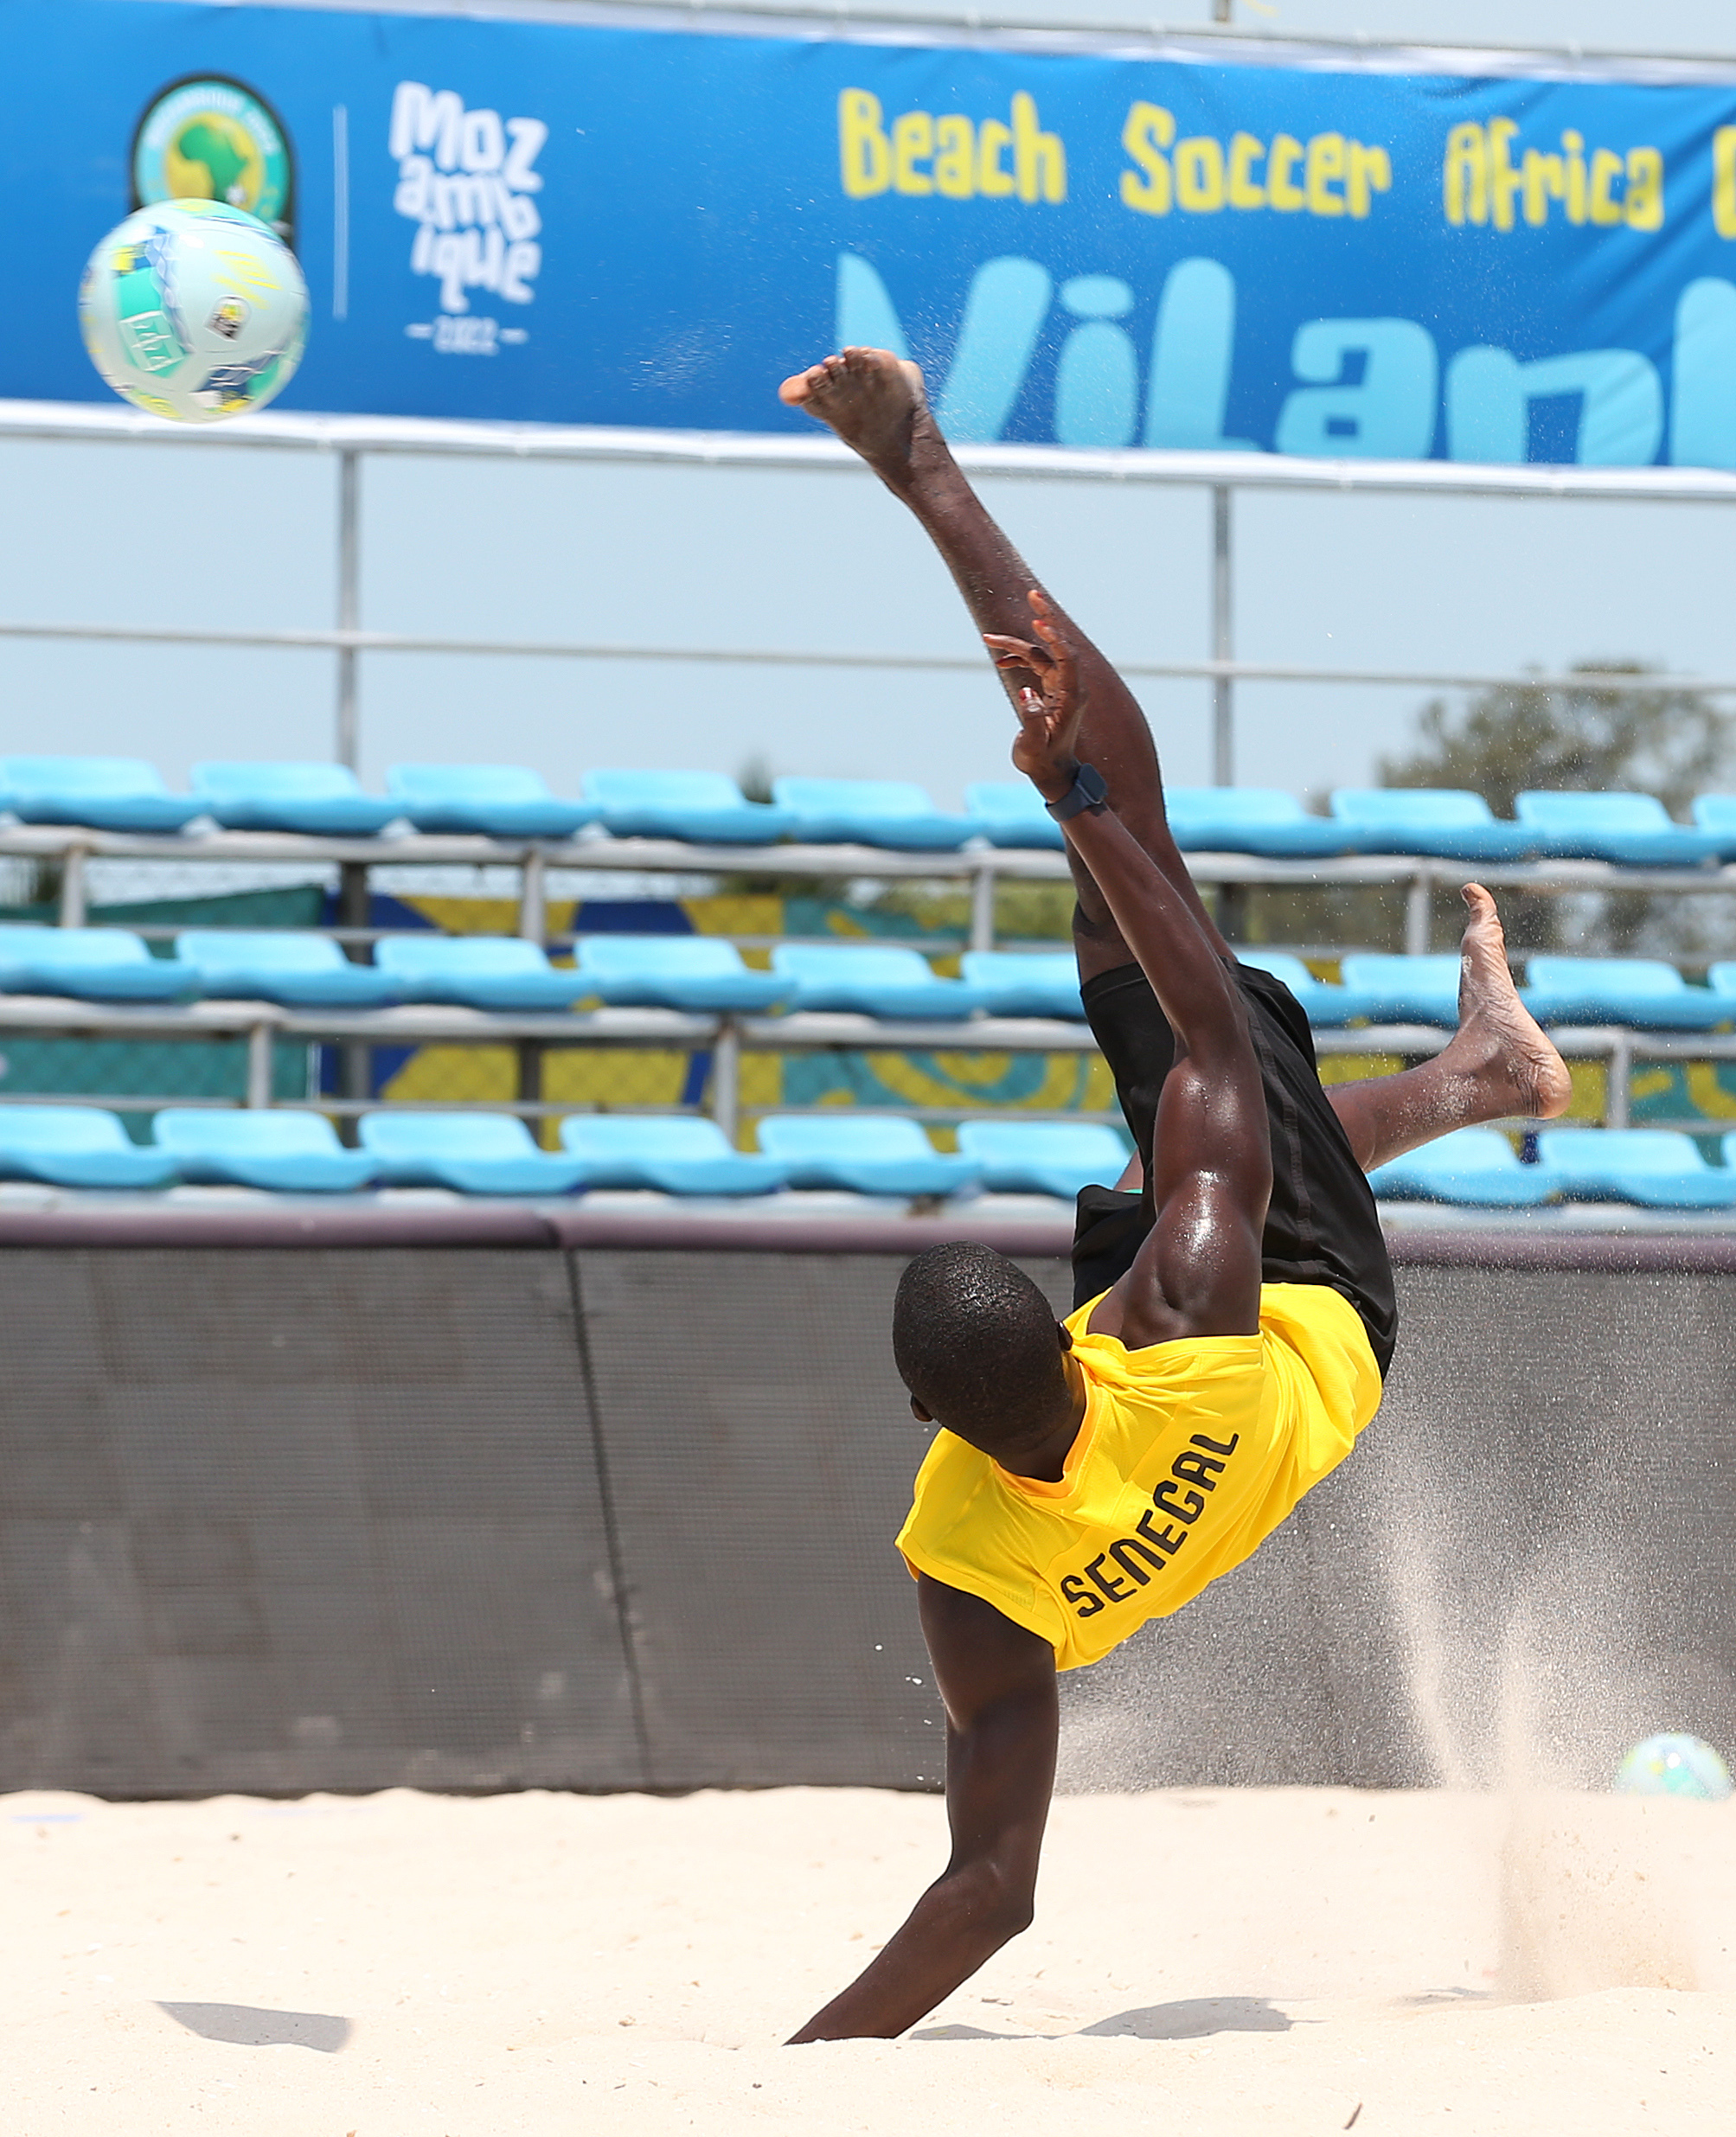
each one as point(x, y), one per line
point(1234, 1311)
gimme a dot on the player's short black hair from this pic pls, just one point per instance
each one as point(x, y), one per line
point(975, 1343)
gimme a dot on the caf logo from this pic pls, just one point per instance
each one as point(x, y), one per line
point(231, 315)
point(213, 139)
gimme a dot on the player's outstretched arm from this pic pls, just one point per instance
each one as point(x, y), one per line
point(1199, 1271)
point(998, 1682)
point(877, 404)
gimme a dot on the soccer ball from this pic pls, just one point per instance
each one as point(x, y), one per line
point(195, 310)
point(1673, 1765)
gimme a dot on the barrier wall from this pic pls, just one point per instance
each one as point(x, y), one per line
point(484, 1499)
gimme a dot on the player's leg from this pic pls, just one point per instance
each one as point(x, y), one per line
point(1499, 1064)
point(875, 404)
point(1322, 1224)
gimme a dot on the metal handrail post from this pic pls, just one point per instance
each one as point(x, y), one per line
point(72, 907)
point(259, 1065)
point(1223, 634)
point(983, 881)
point(349, 734)
point(1618, 1092)
point(532, 897)
point(726, 1079)
point(1418, 913)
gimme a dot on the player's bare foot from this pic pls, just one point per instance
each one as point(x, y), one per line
point(1498, 1038)
point(875, 403)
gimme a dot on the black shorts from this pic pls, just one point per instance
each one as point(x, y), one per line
point(1322, 1226)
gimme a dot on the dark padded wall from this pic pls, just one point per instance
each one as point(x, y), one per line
point(347, 1517)
point(760, 1450)
point(283, 1520)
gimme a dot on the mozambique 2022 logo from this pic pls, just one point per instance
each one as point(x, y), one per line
point(466, 178)
point(213, 139)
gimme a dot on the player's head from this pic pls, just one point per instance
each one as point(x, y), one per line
point(978, 1346)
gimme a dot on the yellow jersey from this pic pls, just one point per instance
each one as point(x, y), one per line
point(1189, 1454)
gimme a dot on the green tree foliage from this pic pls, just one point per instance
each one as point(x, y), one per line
point(1661, 740)
point(1653, 738)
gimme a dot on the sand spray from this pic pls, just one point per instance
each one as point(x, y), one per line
point(1596, 1891)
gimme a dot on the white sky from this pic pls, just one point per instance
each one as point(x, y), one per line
point(699, 557)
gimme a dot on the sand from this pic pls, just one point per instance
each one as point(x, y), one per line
point(1225, 1961)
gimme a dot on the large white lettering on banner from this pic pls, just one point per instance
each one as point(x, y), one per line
point(466, 179)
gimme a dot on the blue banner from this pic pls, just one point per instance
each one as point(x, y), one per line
point(569, 221)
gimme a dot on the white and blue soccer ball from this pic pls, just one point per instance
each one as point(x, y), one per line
point(194, 310)
point(1674, 1765)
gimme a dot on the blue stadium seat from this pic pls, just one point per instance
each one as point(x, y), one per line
point(1476, 1166)
point(108, 793)
point(1447, 821)
point(1253, 820)
point(1641, 991)
point(478, 971)
point(1405, 991)
point(500, 800)
point(305, 971)
point(76, 1146)
point(1722, 979)
point(473, 1153)
point(871, 979)
point(1655, 1167)
point(869, 812)
point(93, 964)
point(1010, 812)
point(1634, 830)
point(676, 1154)
point(703, 808)
point(1714, 815)
point(866, 1153)
point(698, 972)
point(287, 1153)
point(317, 801)
point(1044, 1157)
point(1323, 1003)
point(1025, 983)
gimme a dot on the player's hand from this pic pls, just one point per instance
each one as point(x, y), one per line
point(1042, 676)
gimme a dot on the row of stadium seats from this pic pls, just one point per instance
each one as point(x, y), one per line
point(699, 973)
point(1377, 988)
point(493, 1154)
point(1655, 1167)
point(705, 974)
point(706, 808)
point(498, 800)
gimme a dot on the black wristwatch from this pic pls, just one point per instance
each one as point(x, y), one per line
point(1088, 791)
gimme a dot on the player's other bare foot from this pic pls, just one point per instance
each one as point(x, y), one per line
point(875, 403)
point(1498, 1038)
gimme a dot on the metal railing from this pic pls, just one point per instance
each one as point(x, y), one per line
point(350, 439)
point(980, 868)
point(726, 1039)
